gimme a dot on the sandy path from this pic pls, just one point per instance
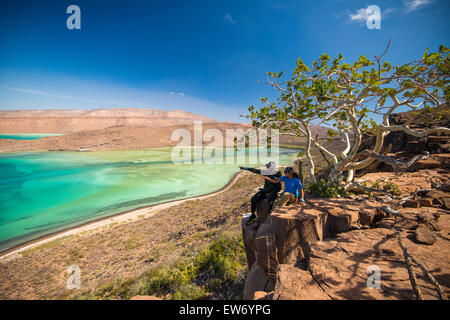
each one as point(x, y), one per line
point(126, 216)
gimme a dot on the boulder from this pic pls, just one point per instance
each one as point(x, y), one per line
point(411, 204)
point(425, 235)
point(366, 218)
point(257, 280)
point(429, 220)
point(297, 284)
point(426, 202)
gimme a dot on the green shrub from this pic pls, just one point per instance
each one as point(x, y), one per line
point(391, 188)
point(323, 189)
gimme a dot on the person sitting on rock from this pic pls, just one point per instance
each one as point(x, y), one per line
point(270, 189)
point(292, 189)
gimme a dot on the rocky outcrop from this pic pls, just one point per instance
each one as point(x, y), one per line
point(342, 266)
point(329, 248)
point(286, 235)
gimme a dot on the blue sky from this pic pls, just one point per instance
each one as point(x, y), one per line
point(199, 56)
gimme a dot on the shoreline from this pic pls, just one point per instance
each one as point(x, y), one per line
point(122, 216)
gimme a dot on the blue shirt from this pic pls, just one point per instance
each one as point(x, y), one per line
point(291, 185)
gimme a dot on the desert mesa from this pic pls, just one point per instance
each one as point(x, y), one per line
point(67, 121)
point(101, 129)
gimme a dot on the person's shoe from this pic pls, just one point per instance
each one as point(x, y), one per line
point(252, 219)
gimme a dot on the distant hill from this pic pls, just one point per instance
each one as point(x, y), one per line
point(114, 138)
point(67, 121)
point(113, 128)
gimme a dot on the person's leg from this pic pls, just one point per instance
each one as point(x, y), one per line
point(291, 199)
point(280, 202)
point(271, 198)
point(255, 199)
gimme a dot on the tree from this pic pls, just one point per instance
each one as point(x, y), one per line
point(345, 97)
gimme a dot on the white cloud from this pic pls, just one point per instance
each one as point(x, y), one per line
point(361, 15)
point(364, 13)
point(229, 18)
point(176, 93)
point(412, 5)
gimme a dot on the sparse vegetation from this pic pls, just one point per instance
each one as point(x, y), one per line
point(324, 189)
point(392, 188)
point(217, 271)
point(49, 244)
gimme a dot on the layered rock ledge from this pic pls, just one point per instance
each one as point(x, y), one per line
point(328, 248)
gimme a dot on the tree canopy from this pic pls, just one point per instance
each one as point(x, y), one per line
point(346, 97)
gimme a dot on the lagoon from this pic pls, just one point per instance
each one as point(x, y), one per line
point(27, 136)
point(46, 192)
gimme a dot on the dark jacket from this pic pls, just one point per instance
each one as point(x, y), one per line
point(269, 187)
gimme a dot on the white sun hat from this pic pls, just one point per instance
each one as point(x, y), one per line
point(270, 169)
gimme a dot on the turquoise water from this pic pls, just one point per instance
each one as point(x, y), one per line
point(45, 192)
point(28, 136)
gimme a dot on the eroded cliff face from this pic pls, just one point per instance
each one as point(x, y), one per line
point(328, 248)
